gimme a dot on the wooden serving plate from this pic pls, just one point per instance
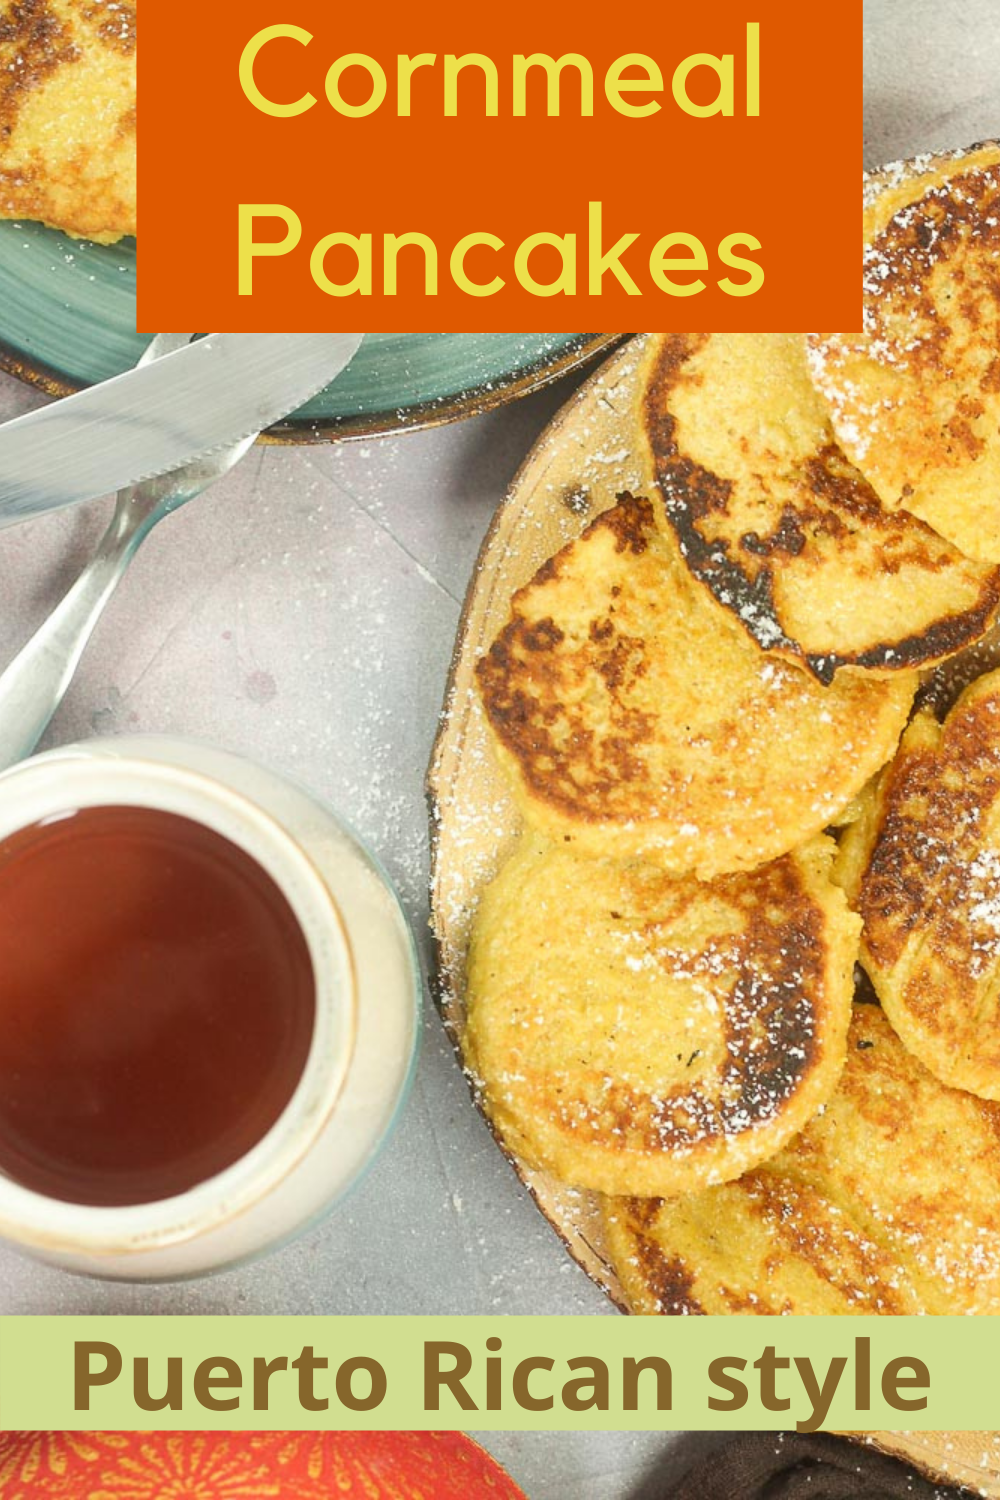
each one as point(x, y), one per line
point(969, 1458)
point(589, 454)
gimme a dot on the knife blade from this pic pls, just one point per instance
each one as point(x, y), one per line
point(161, 416)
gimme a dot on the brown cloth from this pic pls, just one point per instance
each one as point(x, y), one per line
point(797, 1466)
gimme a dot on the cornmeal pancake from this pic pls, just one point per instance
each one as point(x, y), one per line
point(940, 689)
point(636, 1033)
point(915, 397)
point(888, 1202)
point(67, 115)
point(923, 868)
point(785, 533)
point(638, 720)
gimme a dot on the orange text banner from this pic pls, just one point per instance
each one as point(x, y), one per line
point(307, 165)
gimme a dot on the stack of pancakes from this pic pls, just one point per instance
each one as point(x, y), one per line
point(68, 115)
point(717, 712)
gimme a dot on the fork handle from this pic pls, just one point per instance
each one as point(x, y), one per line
point(33, 685)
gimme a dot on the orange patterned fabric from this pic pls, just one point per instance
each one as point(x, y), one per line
point(248, 1466)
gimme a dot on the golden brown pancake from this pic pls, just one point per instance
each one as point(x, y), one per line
point(940, 689)
point(783, 531)
point(888, 1202)
point(767, 1245)
point(638, 720)
point(67, 115)
point(915, 397)
point(636, 1033)
point(922, 867)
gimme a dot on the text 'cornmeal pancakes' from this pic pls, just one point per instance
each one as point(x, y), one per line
point(701, 705)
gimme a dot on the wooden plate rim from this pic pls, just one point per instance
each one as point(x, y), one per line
point(438, 982)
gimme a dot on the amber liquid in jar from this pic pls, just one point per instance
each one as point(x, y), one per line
point(157, 1004)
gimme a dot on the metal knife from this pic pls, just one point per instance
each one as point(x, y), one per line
point(206, 396)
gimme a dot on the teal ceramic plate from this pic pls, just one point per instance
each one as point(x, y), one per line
point(67, 319)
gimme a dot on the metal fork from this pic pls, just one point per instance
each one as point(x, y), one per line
point(35, 682)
